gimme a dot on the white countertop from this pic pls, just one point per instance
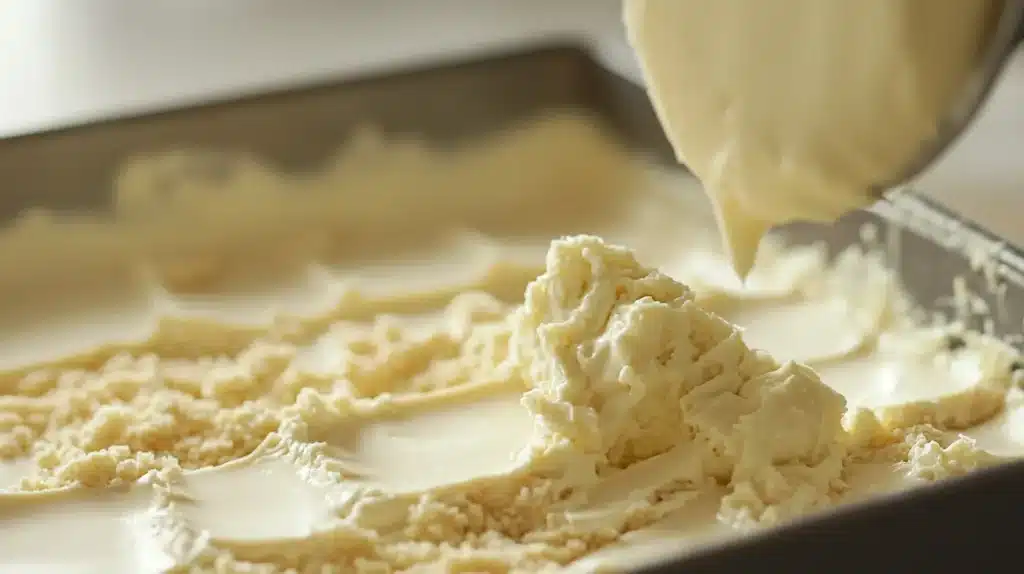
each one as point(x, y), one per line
point(69, 60)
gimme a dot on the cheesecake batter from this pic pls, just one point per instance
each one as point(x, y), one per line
point(803, 109)
point(310, 380)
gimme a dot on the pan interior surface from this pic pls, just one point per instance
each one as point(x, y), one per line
point(226, 345)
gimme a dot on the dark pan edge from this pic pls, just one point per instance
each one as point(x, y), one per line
point(486, 59)
point(945, 527)
point(71, 168)
point(963, 524)
point(951, 509)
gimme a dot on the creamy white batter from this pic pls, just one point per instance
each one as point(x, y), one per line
point(454, 391)
point(800, 109)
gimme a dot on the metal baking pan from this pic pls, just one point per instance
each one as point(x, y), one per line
point(968, 522)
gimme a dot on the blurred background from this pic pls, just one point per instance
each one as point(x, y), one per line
point(67, 61)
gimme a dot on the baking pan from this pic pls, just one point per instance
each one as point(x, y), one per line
point(971, 521)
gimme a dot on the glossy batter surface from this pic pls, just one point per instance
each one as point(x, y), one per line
point(803, 110)
point(251, 371)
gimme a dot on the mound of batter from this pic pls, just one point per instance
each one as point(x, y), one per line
point(455, 405)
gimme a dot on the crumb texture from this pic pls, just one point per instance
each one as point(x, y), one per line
point(482, 399)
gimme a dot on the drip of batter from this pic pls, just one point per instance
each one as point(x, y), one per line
point(443, 396)
point(799, 109)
